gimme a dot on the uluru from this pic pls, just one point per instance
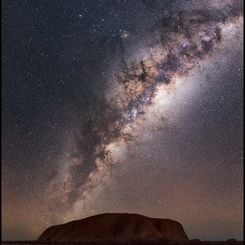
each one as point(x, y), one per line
point(115, 226)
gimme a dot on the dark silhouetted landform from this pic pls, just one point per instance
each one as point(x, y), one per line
point(114, 226)
point(134, 242)
point(119, 229)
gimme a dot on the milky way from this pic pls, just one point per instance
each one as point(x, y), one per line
point(175, 48)
point(123, 106)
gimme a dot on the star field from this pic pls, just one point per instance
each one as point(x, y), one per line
point(122, 106)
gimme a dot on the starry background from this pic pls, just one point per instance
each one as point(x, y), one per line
point(54, 57)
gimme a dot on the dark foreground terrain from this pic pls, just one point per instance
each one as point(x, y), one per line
point(116, 227)
point(154, 242)
point(119, 229)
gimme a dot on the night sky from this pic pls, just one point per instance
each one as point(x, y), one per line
point(122, 106)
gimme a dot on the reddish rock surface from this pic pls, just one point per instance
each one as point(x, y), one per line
point(115, 227)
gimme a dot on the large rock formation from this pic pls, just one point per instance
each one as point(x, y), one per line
point(115, 227)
